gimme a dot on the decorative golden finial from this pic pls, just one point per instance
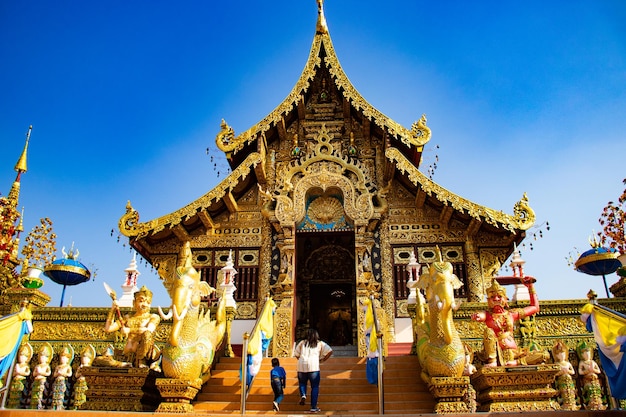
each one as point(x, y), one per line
point(20, 166)
point(593, 240)
point(72, 254)
point(321, 20)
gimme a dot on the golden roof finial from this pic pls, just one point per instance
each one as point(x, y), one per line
point(321, 20)
point(20, 166)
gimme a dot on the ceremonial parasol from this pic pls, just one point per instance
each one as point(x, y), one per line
point(599, 261)
point(67, 271)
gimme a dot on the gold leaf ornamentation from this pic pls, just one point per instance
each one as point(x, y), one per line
point(325, 210)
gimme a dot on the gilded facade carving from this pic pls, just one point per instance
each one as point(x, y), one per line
point(248, 257)
point(401, 309)
point(282, 344)
point(399, 236)
point(386, 270)
point(246, 310)
point(561, 326)
point(68, 331)
point(475, 279)
point(265, 272)
point(491, 261)
point(250, 198)
point(231, 241)
point(401, 198)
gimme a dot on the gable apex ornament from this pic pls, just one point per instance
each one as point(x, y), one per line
point(321, 20)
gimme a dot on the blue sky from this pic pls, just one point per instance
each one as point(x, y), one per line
point(125, 97)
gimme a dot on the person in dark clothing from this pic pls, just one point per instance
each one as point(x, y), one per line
point(278, 378)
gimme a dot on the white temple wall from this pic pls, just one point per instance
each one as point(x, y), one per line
point(404, 330)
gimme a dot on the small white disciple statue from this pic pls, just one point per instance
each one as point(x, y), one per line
point(564, 381)
point(62, 374)
point(20, 372)
point(588, 370)
point(40, 374)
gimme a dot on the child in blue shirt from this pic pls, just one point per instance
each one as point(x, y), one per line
point(278, 378)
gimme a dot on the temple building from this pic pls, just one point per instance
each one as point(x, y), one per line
point(325, 203)
point(326, 211)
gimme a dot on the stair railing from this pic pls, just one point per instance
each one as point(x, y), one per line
point(379, 350)
point(245, 387)
point(5, 390)
point(244, 373)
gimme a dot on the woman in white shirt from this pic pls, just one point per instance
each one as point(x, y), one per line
point(310, 352)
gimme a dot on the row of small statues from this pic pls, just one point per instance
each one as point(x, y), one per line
point(41, 393)
point(588, 373)
point(137, 328)
point(44, 393)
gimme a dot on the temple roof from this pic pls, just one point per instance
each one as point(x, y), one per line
point(246, 155)
point(323, 53)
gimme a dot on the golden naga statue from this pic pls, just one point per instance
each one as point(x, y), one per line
point(194, 338)
point(439, 347)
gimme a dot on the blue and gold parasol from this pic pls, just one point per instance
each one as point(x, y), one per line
point(598, 261)
point(67, 271)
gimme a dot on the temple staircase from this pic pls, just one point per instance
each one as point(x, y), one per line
point(344, 388)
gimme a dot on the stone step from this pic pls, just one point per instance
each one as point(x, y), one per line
point(344, 388)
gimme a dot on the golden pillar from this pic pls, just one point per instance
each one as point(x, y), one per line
point(230, 316)
point(283, 339)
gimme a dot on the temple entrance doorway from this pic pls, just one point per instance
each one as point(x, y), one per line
point(326, 286)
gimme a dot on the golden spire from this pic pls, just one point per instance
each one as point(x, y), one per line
point(321, 20)
point(10, 228)
point(20, 166)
